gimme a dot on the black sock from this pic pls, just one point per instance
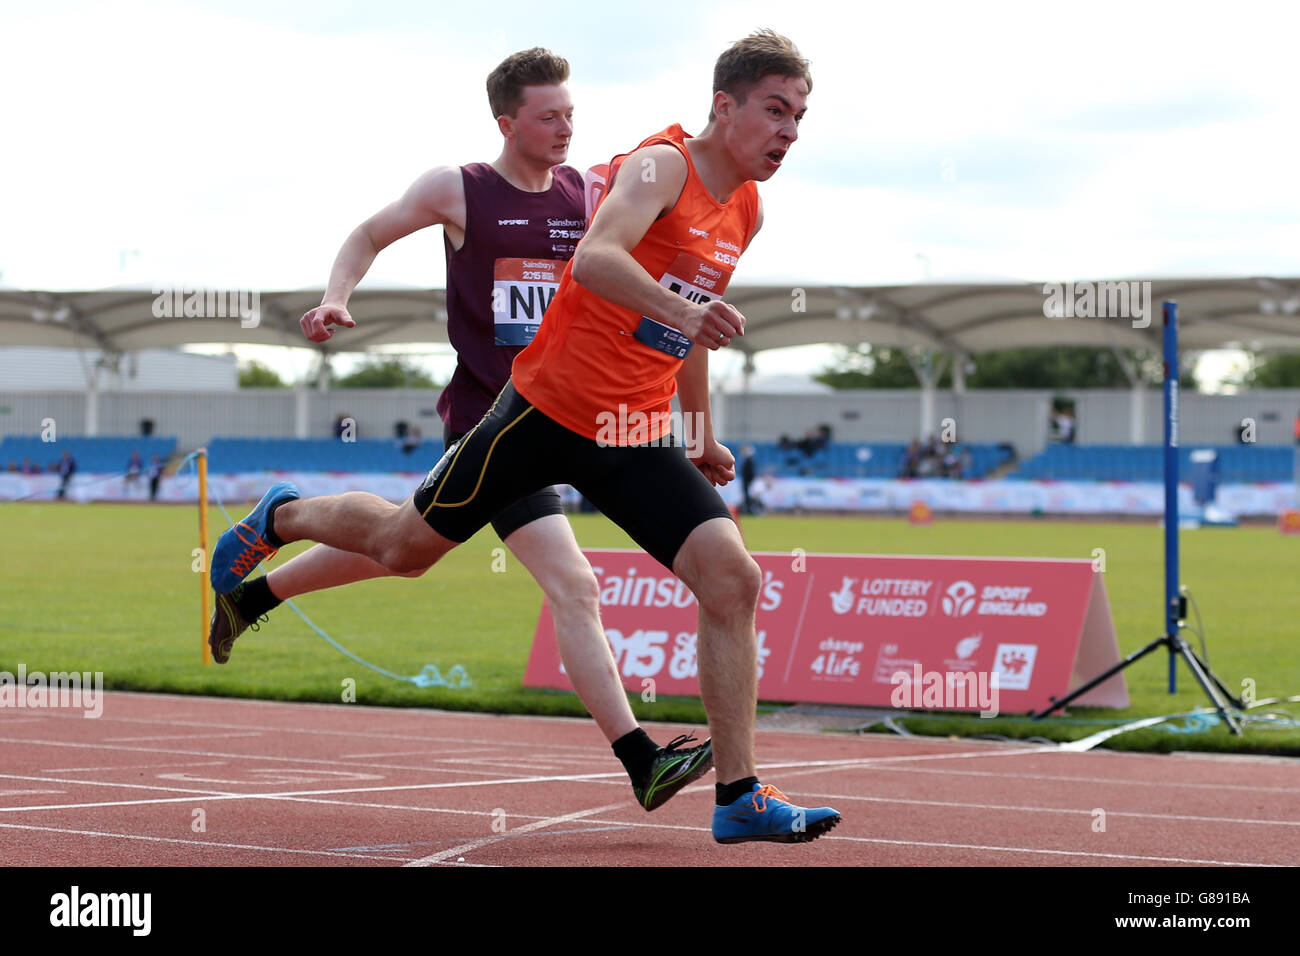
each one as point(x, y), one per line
point(725, 794)
point(637, 751)
point(272, 538)
point(254, 598)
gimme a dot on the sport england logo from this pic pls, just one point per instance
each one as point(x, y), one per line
point(959, 599)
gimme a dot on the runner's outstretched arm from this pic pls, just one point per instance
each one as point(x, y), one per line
point(435, 199)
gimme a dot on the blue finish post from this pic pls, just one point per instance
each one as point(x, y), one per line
point(1171, 480)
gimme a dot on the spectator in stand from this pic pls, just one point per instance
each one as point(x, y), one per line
point(814, 440)
point(822, 438)
point(951, 463)
point(66, 467)
point(1063, 420)
point(155, 476)
point(931, 459)
point(134, 469)
point(30, 467)
point(747, 478)
point(912, 459)
point(790, 450)
point(412, 439)
point(13, 465)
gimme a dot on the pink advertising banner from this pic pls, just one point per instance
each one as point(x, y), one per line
point(933, 633)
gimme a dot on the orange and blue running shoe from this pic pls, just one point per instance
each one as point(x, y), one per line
point(765, 814)
point(674, 767)
point(244, 547)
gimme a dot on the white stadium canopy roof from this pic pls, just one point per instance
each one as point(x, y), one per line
point(1255, 313)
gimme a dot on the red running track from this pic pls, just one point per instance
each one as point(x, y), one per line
point(162, 780)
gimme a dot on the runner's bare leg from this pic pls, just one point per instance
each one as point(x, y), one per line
point(396, 537)
point(548, 549)
point(726, 580)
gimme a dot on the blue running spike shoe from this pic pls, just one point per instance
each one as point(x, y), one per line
point(674, 768)
point(244, 546)
point(765, 814)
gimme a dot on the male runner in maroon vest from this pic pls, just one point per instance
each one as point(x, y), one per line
point(508, 228)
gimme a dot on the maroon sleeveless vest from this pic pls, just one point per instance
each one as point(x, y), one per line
point(501, 280)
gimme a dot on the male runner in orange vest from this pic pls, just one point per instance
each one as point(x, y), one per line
point(509, 225)
point(589, 405)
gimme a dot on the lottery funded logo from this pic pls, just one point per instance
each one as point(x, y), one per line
point(882, 597)
point(522, 289)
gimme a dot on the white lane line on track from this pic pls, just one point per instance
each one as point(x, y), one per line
point(834, 838)
point(136, 766)
point(881, 764)
point(107, 783)
point(617, 777)
point(203, 843)
point(851, 762)
point(213, 797)
point(1066, 810)
point(459, 851)
point(813, 766)
point(425, 752)
point(331, 762)
point(320, 731)
point(215, 733)
point(20, 793)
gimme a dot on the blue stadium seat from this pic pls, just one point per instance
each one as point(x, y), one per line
point(234, 455)
point(1237, 463)
point(108, 454)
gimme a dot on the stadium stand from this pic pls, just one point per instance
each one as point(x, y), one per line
point(1237, 463)
point(105, 454)
point(234, 455)
point(841, 459)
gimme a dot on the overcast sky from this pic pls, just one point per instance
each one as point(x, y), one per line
point(235, 143)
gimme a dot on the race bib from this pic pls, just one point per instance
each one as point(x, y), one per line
point(521, 291)
point(693, 280)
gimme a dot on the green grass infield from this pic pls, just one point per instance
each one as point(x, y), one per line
point(112, 588)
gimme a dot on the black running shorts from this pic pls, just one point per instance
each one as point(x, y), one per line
point(514, 516)
point(650, 491)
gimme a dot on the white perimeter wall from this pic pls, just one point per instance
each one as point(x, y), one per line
point(1018, 417)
